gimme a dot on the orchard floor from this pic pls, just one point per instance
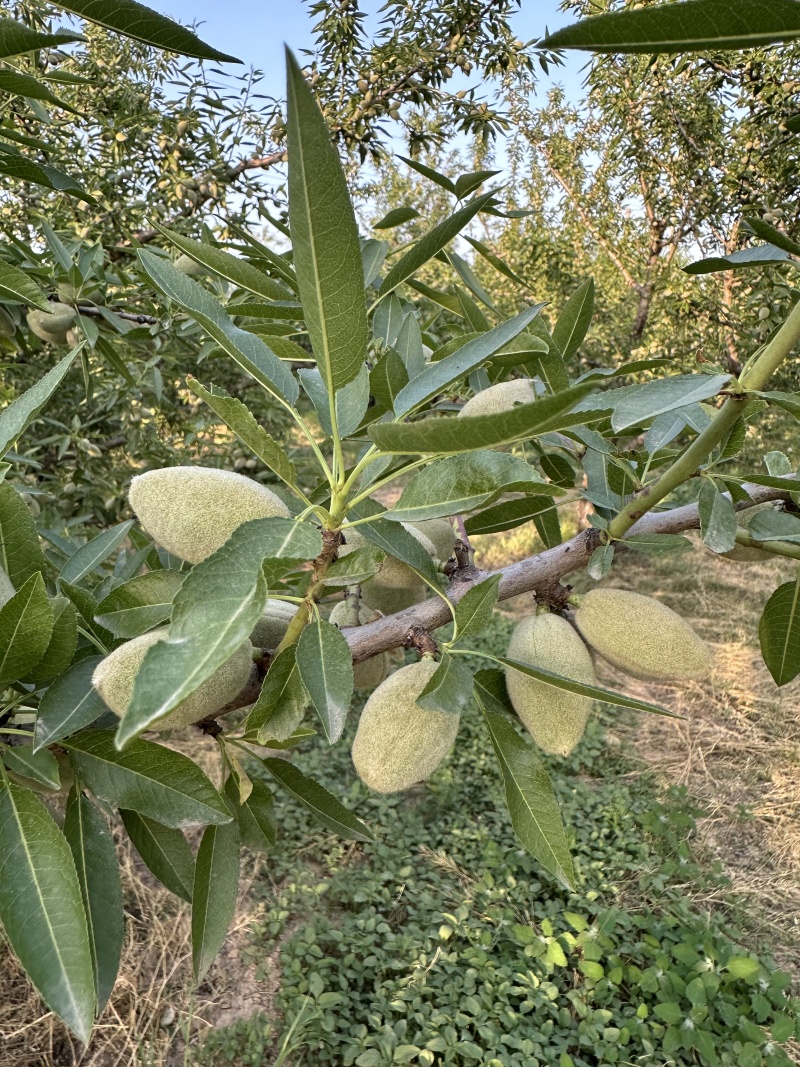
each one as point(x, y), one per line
point(443, 943)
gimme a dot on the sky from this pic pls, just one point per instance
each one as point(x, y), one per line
point(256, 30)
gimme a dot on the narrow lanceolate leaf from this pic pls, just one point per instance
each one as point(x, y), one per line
point(26, 625)
point(499, 264)
point(432, 242)
point(94, 552)
point(25, 408)
point(232, 268)
point(16, 38)
point(394, 540)
point(281, 702)
point(69, 704)
point(41, 767)
point(532, 804)
point(61, 647)
point(355, 567)
point(690, 26)
point(769, 233)
point(92, 848)
point(475, 609)
point(779, 632)
point(147, 778)
point(323, 805)
point(460, 483)
point(143, 24)
point(575, 319)
point(442, 373)
point(326, 670)
point(41, 908)
point(508, 515)
point(246, 349)
point(138, 605)
point(609, 696)
point(758, 256)
point(775, 526)
point(788, 401)
point(15, 284)
point(215, 611)
point(256, 815)
point(717, 518)
point(242, 421)
point(350, 404)
point(20, 553)
point(164, 851)
point(216, 881)
point(643, 402)
point(449, 688)
point(441, 436)
point(325, 245)
point(27, 170)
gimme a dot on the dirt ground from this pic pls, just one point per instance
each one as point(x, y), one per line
point(737, 751)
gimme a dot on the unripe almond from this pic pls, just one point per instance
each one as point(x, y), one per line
point(185, 263)
point(192, 511)
point(502, 397)
point(555, 718)
point(395, 586)
point(52, 325)
point(642, 636)
point(440, 533)
point(371, 672)
point(114, 678)
point(398, 743)
point(272, 626)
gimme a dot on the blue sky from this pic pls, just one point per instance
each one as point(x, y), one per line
point(255, 31)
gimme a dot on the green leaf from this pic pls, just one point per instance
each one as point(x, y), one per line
point(69, 704)
point(256, 816)
point(775, 526)
point(164, 851)
point(41, 908)
point(18, 84)
point(15, 284)
point(25, 408)
point(26, 624)
point(386, 380)
point(373, 254)
point(20, 553)
point(460, 483)
point(355, 567)
point(41, 766)
point(757, 256)
point(532, 804)
point(682, 27)
point(574, 320)
point(769, 233)
point(609, 696)
point(468, 183)
point(232, 268)
point(16, 38)
point(326, 250)
point(92, 848)
point(396, 217)
point(63, 642)
point(788, 401)
point(94, 552)
point(743, 967)
point(216, 882)
point(432, 242)
point(779, 632)
point(717, 518)
point(475, 609)
point(143, 24)
point(642, 402)
point(499, 264)
point(246, 349)
point(774, 480)
point(432, 175)
point(39, 174)
point(351, 401)
point(449, 688)
point(282, 700)
point(394, 540)
point(599, 566)
point(148, 778)
point(508, 515)
point(326, 671)
point(657, 544)
point(323, 805)
point(137, 606)
point(241, 420)
point(215, 610)
point(438, 435)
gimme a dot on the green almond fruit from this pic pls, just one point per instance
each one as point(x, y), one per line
point(192, 511)
point(271, 628)
point(555, 718)
point(502, 397)
point(398, 743)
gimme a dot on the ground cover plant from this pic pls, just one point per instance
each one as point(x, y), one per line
point(215, 597)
